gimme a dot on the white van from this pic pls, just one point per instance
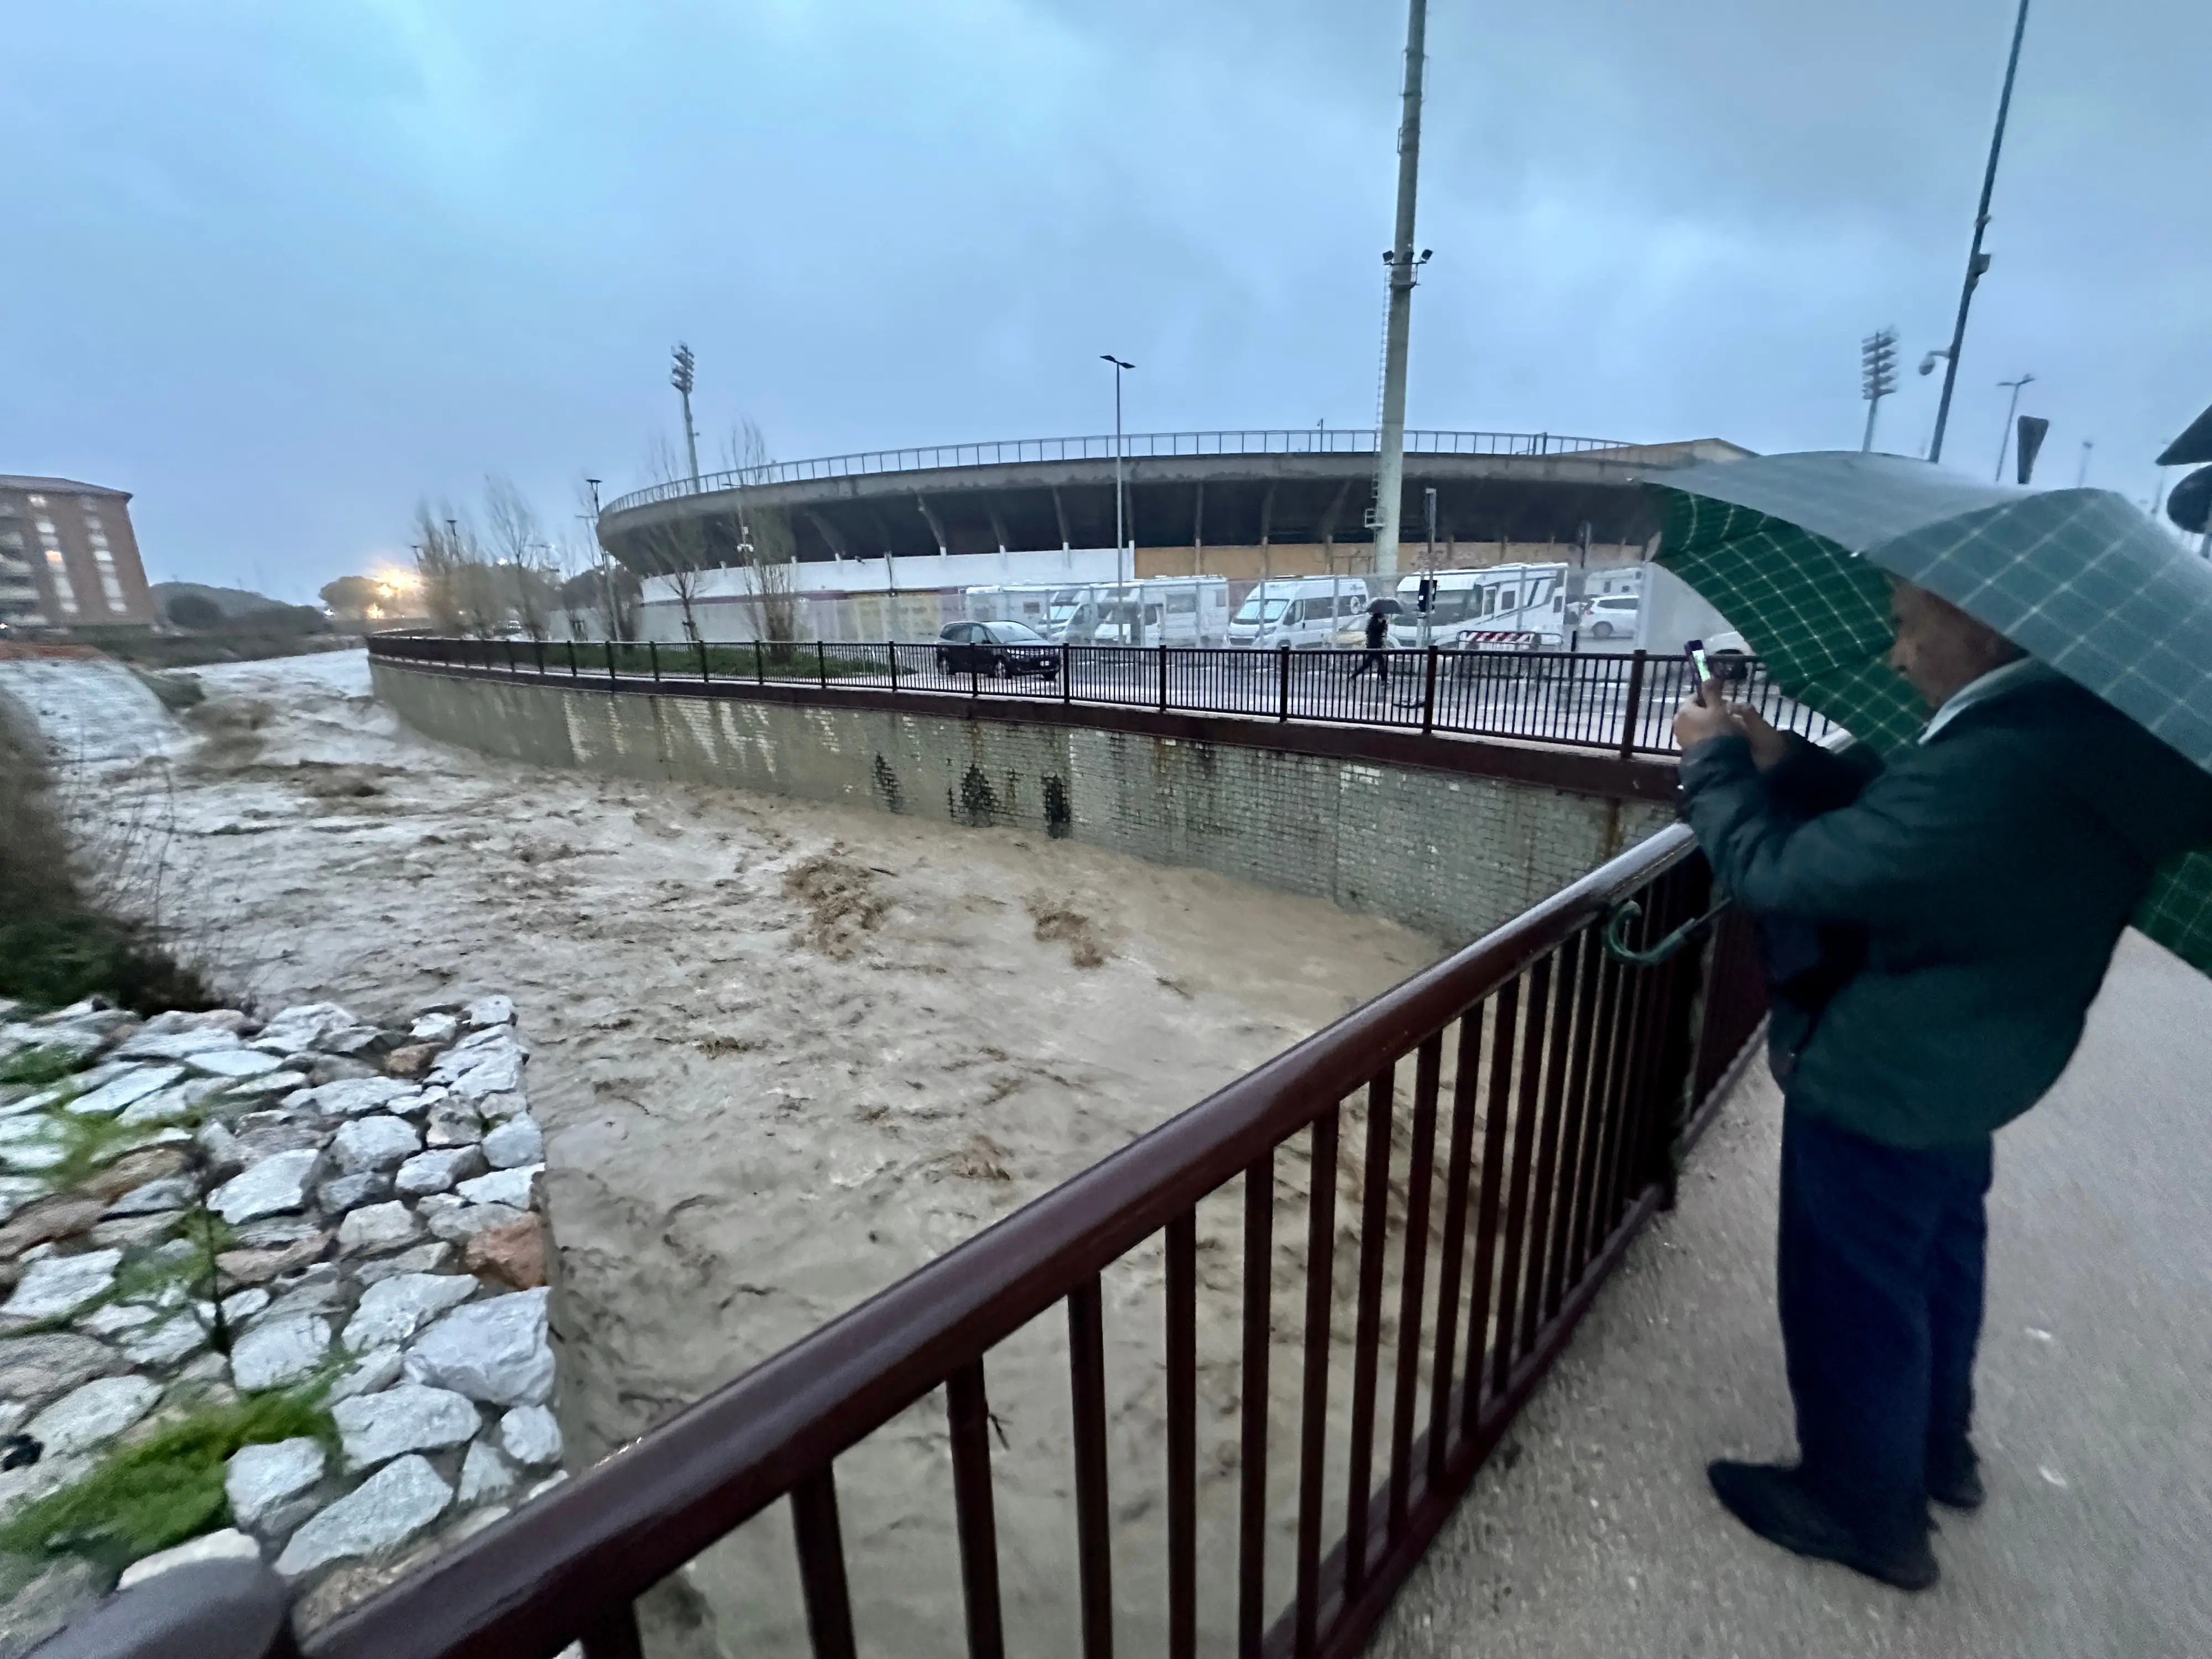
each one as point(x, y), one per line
point(1303, 612)
point(1499, 606)
point(1188, 611)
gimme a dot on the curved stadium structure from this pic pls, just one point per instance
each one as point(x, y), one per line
point(1186, 494)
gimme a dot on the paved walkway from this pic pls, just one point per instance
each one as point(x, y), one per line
point(2095, 1424)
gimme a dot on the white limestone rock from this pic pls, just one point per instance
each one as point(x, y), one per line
point(516, 1142)
point(493, 1010)
point(454, 1123)
point(530, 1435)
point(437, 1026)
point(380, 1368)
point(409, 1418)
point(374, 1142)
point(235, 1064)
point(58, 1285)
point(278, 1185)
point(133, 1084)
point(508, 1187)
point(499, 1074)
point(428, 1258)
point(37, 1368)
point(394, 1308)
point(349, 1192)
point(242, 1305)
point(279, 1352)
point(17, 1192)
point(457, 1221)
point(377, 1227)
point(228, 1544)
point(170, 1192)
point(267, 1084)
point(494, 1350)
point(351, 1097)
point(385, 1510)
point(166, 1344)
point(260, 1478)
point(114, 1318)
point(93, 1413)
point(485, 1473)
point(147, 1044)
point(163, 1106)
point(296, 1030)
point(435, 1171)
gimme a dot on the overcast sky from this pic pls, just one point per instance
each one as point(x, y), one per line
point(282, 269)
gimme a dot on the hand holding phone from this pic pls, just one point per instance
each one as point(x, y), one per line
point(1702, 670)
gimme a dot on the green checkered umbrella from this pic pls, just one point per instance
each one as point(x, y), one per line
point(1796, 550)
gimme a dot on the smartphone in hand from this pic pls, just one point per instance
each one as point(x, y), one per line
point(1703, 672)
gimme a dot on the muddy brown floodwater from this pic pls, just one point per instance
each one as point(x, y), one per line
point(784, 1054)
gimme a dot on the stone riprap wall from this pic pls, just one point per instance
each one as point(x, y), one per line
point(320, 1215)
point(1450, 855)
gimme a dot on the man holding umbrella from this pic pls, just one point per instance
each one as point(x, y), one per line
point(1938, 906)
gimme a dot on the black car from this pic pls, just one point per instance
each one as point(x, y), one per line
point(1000, 649)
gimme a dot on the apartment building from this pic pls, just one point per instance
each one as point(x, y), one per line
point(68, 557)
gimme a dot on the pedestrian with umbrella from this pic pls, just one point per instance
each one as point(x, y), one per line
point(2028, 678)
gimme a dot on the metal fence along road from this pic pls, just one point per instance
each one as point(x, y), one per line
point(1135, 445)
point(1623, 703)
point(1503, 1124)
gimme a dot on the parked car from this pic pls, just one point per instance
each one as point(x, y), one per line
point(1351, 634)
point(1611, 616)
point(1000, 649)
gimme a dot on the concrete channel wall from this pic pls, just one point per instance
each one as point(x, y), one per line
point(1451, 854)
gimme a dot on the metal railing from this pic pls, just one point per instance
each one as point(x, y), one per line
point(1135, 445)
point(1502, 1124)
point(1623, 703)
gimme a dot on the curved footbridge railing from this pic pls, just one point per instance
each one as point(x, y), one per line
point(1502, 1125)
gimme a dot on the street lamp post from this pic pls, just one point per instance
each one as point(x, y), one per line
point(2011, 409)
point(1118, 574)
point(600, 558)
point(1977, 261)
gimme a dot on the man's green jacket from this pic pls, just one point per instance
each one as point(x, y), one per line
point(1974, 889)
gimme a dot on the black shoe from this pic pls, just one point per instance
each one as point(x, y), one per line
point(1954, 1476)
point(1770, 1500)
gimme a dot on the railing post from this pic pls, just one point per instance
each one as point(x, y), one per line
point(1429, 693)
point(703, 676)
point(1635, 707)
point(572, 659)
point(821, 664)
point(1283, 681)
point(1067, 673)
point(760, 662)
point(1163, 678)
point(612, 684)
point(652, 657)
point(537, 650)
point(890, 655)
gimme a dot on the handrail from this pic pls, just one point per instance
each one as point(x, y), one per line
point(531, 1583)
point(1140, 446)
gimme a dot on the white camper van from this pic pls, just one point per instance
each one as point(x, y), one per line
point(1188, 611)
point(1027, 603)
point(1499, 607)
point(1303, 612)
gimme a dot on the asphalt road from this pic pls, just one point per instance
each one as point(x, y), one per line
point(1595, 1534)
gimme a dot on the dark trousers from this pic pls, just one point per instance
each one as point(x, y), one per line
point(1882, 1252)
point(1375, 660)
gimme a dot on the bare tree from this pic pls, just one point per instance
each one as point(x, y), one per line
point(457, 590)
point(765, 546)
point(612, 588)
point(520, 553)
point(677, 546)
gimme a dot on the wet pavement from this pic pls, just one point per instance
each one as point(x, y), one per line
point(1594, 1532)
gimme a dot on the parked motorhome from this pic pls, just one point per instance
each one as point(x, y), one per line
point(1190, 611)
point(1303, 612)
point(1496, 607)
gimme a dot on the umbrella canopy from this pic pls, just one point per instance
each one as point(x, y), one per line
point(1796, 551)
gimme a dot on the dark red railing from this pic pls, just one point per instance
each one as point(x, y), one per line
point(1623, 703)
point(1514, 1114)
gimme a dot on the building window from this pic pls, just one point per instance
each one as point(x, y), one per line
point(108, 586)
point(64, 595)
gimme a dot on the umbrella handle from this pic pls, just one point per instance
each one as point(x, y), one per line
point(1666, 950)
